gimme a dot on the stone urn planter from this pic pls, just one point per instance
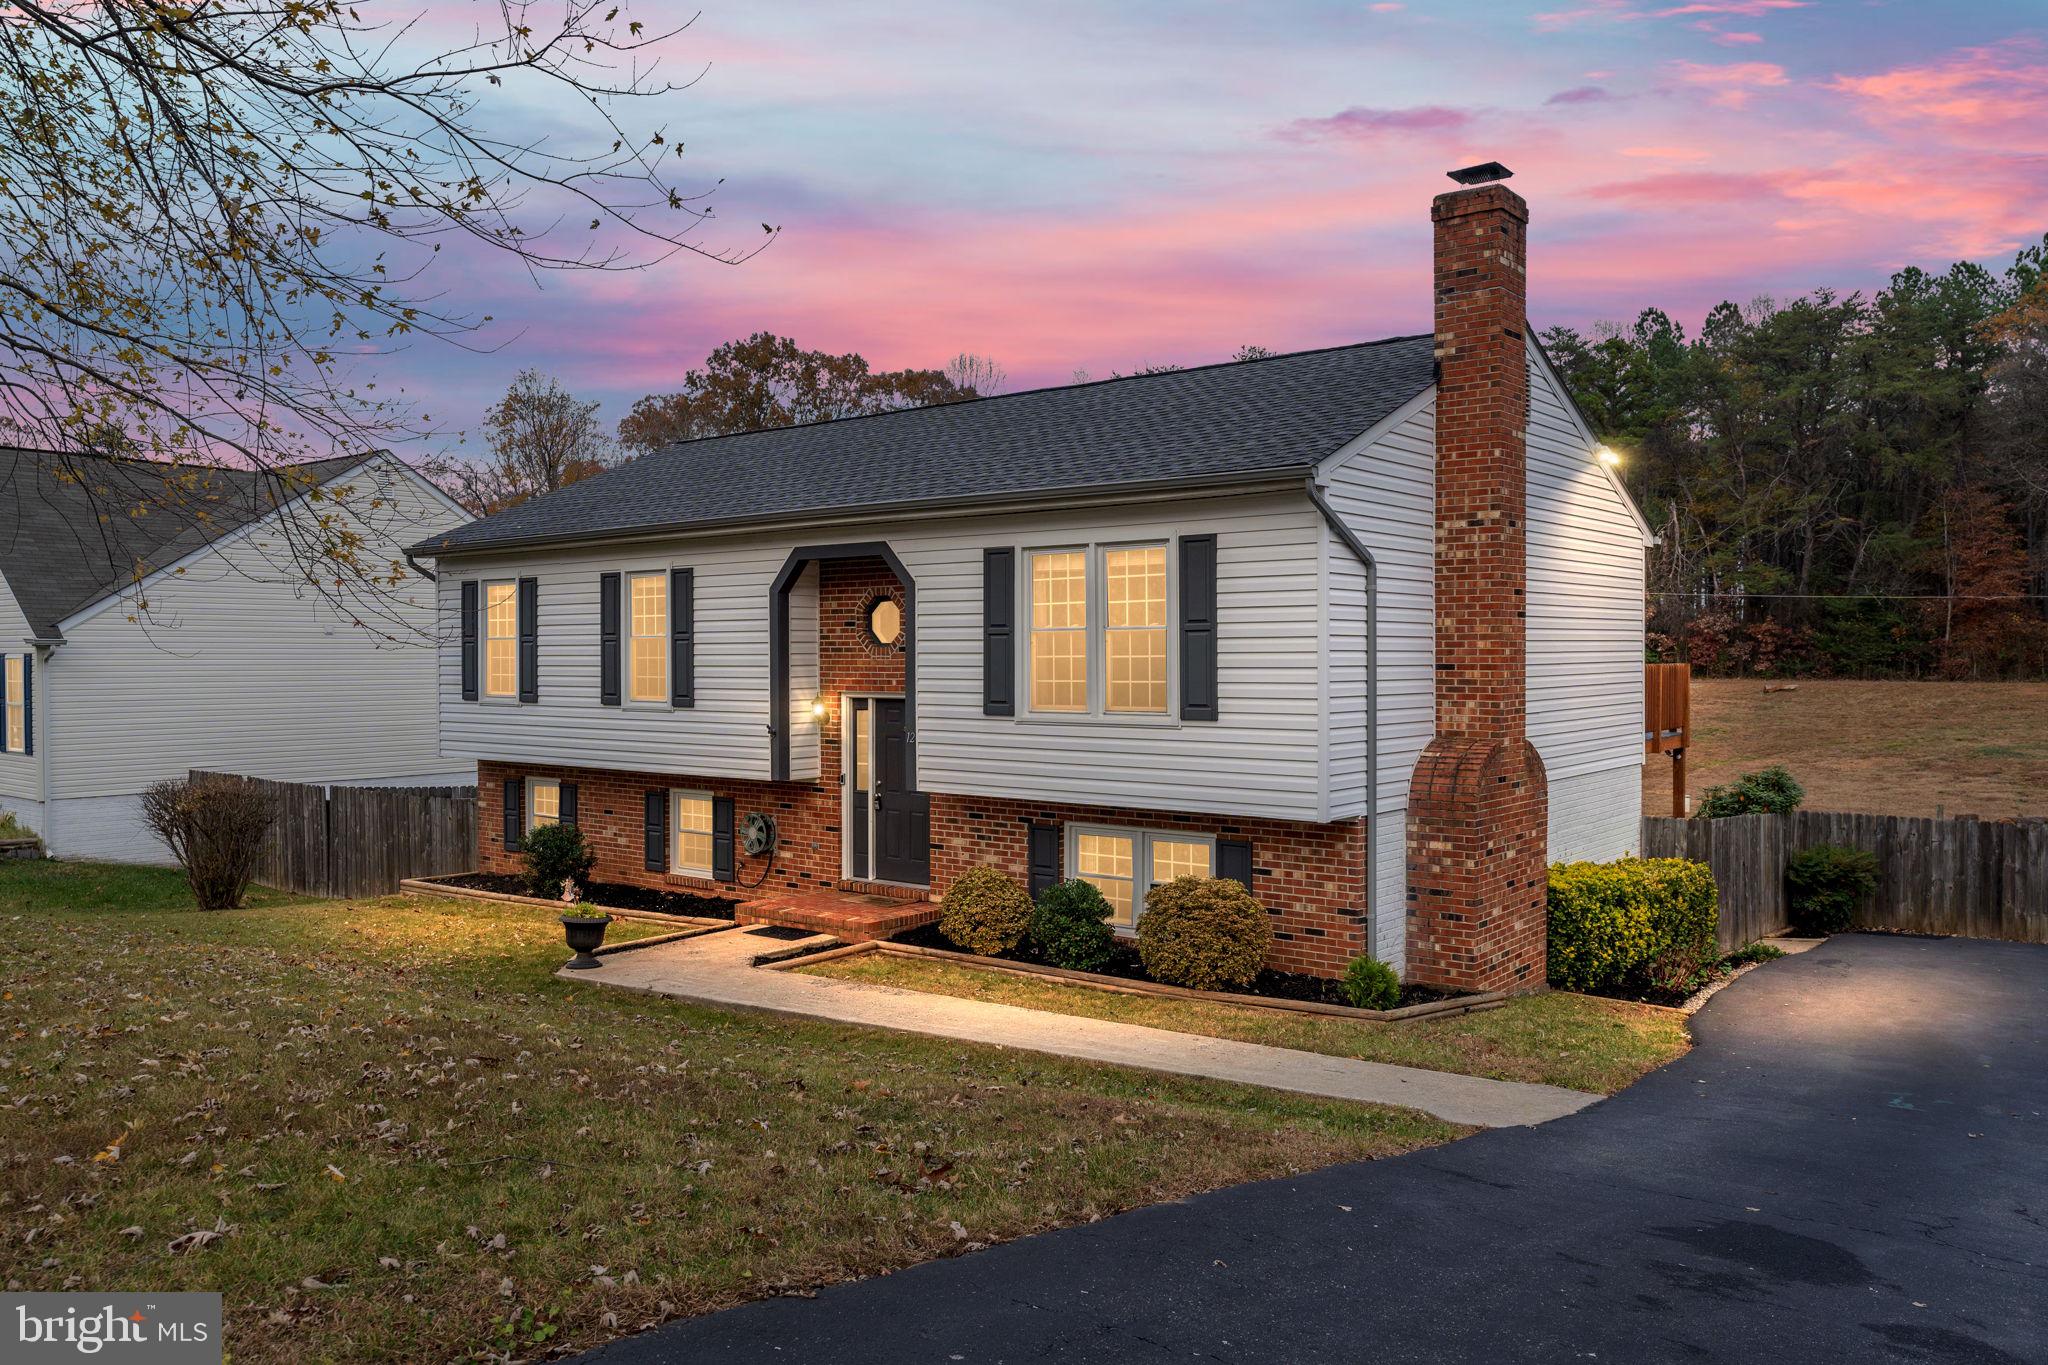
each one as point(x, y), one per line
point(586, 935)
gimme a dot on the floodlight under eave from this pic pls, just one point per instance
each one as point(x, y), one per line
point(1608, 456)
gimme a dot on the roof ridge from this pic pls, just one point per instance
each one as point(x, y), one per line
point(1042, 388)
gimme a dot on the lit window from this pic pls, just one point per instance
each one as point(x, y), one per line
point(1134, 629)
point(691, 820)
point(501, 639)
point(1108, 861)
point(649, 641)
point(17, 709)
point(863, 730)
point(1059, 630)
point(543, 802)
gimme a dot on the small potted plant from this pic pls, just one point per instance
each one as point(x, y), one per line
point(583, 925)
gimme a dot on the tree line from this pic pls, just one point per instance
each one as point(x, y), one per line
point(1841, 484)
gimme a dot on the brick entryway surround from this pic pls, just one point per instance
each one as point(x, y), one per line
point(1478, 810)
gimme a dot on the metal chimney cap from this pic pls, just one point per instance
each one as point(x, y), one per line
point(1483, 174)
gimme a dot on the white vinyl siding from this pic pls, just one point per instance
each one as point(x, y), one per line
point(1267, 739)
point(239, 669)
point(1586, 582)
point(21, 775)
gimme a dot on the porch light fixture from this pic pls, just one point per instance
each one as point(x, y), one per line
point(818, 709)
point(1608, 456)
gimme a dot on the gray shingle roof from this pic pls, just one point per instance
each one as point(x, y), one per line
point(1218, 421)
point(76, 528)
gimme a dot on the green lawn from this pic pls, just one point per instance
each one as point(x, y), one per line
point(386, 1132)
point(1571, 1040)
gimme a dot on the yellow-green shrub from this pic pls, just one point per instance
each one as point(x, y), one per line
point(1204, 932)
point(985, 912)
point(1645, 920)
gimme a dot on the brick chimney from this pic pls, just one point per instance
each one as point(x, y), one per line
point(1479, 814)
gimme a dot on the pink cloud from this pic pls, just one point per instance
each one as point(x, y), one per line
point(1581, 94)
point(1975, 90)
point(1693, 187)
point(1359, 122)
point(1624, 11)
point(1745, 9)
point(1732, 83)
point(1735, 39)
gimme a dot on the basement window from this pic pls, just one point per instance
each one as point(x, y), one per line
point(1125, 864)
point(543, 802)
point(690, 819)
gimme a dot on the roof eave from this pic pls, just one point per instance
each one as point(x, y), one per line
point(1290, 474)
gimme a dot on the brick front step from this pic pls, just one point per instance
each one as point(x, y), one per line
point(850, 917)
point(888, 890)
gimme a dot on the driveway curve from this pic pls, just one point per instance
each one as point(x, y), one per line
point(1851, 1165)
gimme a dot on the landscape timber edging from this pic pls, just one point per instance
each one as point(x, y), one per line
point(422, 886)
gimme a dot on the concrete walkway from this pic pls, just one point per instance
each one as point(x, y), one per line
point(717, 969)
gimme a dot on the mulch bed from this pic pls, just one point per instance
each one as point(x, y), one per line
point(1272, 985)
point(607, 895)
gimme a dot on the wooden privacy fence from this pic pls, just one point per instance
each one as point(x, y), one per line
point(1969, 877)
point(362, 841)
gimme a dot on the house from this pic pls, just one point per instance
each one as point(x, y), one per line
point(156, 618)
point(1360, 626)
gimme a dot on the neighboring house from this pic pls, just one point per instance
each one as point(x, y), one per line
point(156, 618)
point(1260, 620)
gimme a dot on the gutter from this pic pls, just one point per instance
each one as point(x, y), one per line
point(436, 548)
point(422, 570)
point(1372, 694)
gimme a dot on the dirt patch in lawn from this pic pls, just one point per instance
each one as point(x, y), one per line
point(1889, 748)
point(398, 1137)
point(1574, 1041)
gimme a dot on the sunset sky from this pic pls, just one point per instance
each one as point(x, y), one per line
point(1097, 186)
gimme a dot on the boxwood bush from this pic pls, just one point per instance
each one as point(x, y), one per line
point(1370, 984)
point(1069, 927)
point(1636, 922)
point(1824, 885)
point(1771, 791)
point(1203, 932)
point(555, 854)
point(985, 912)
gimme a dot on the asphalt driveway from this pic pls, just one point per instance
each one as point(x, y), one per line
point(1852, 1165)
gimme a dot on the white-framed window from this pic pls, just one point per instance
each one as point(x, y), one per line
point(501, 638)
point(543, 802)
point(689, 823)
point(647, 636)
point(17, 708)
point(1099, 625)
point(1124, 864)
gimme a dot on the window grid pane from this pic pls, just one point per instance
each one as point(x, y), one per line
point(501, 633)
point(1059, 631)
point(1107, 862)
point(861, 731)
point(647, 656)
point(17, 716)
point(546, 803)
point(1134, 637)
point(1173, 858)
point(693, 835)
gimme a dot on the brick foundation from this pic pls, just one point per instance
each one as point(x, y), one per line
point(1479, 804)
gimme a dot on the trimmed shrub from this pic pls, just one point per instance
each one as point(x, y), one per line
point(1069, 927)
point(1824, 885)
point(215, 826)
point(985, 912)
point(1203, 932)
point(1773, 791)
point(555, 854)
point(1648, 921)
point(1370, 984)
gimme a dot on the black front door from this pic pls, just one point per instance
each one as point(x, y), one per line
point(903, 820)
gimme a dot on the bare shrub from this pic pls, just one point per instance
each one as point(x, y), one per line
point(215, 826)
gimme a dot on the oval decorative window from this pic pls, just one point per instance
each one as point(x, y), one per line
point(885, 621)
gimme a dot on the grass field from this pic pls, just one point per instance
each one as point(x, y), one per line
point(1890, 748)
point(1569, 1040)
point(386, 1132)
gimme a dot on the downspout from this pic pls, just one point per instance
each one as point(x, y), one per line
point(41, 653)
point(1372, 695)
point(421, 569)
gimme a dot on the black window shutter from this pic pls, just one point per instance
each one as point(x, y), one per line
point(567, 809)
point(28, 703)
point(515, 812)
point(1198, 628)
point(608, 639)
point(721, 839)
point(998, 632)
point(529, 639)
point(656, 831)
point(469, 624)
point(1234, 861)
point(1045, 859)
point(682, 637)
